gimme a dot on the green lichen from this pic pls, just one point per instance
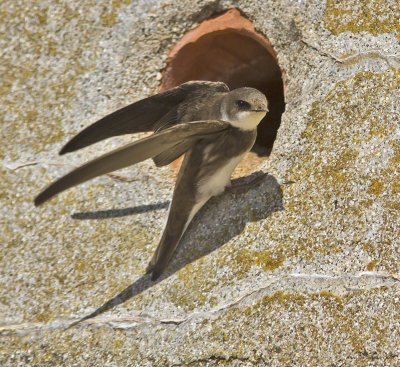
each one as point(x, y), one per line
point(259, 333)
point(372, 265)
point(118, 344)
point(193, 289)
point(197, 280)
point(344, 322)
point(396, 155)
point(376, 187)
point(39, 75)
point(373, 16)
point(395, 186)
point(109, 16)
point(75, 257)
point(340, 127)
point(334, 296)
point(279, 297)
point(246, 258)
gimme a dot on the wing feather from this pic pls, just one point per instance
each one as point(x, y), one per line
point(130, 154)
point(168, 156)
point(143, 115)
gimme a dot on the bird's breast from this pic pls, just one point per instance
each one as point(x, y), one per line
point(214, 182)
point(208, 166)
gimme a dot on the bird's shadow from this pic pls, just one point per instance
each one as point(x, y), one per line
point(226, 216)
point(116, 213)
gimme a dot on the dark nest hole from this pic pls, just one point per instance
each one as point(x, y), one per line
point(228, 49)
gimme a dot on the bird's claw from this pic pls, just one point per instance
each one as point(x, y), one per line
point(241, 188)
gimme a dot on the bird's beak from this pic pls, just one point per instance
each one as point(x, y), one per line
point(259, 110)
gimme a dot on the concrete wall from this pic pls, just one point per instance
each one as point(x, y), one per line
point(303, 271)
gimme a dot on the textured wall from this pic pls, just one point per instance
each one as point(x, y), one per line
point(303, 271)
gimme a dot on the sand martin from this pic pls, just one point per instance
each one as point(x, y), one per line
point(211, 125)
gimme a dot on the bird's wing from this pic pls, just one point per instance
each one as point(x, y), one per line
point(144, 115)
point(130, 154)
point(168, 156)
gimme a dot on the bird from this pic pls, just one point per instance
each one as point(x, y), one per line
point(211, 125)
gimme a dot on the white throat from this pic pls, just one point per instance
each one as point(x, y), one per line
point(246, 120)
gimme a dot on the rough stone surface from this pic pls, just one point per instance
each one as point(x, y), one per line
point(302, 271)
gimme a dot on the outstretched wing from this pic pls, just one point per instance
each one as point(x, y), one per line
point(168, 156)
point(133, 153)
point(145, 115)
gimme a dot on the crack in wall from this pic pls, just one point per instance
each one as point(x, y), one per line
point(357, 57)
point(219, 359)
point(322, 52)
point(300, 283)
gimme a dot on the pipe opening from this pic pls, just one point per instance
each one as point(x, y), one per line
point(227, 48)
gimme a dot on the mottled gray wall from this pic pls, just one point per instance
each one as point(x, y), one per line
point(302, 271)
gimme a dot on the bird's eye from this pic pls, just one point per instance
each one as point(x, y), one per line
point(243, 105)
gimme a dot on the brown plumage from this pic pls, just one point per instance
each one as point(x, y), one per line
point(212, 126)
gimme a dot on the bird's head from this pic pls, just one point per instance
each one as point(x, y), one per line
point(244, 108)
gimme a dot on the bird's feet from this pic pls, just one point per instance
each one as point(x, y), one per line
point(243, 187)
